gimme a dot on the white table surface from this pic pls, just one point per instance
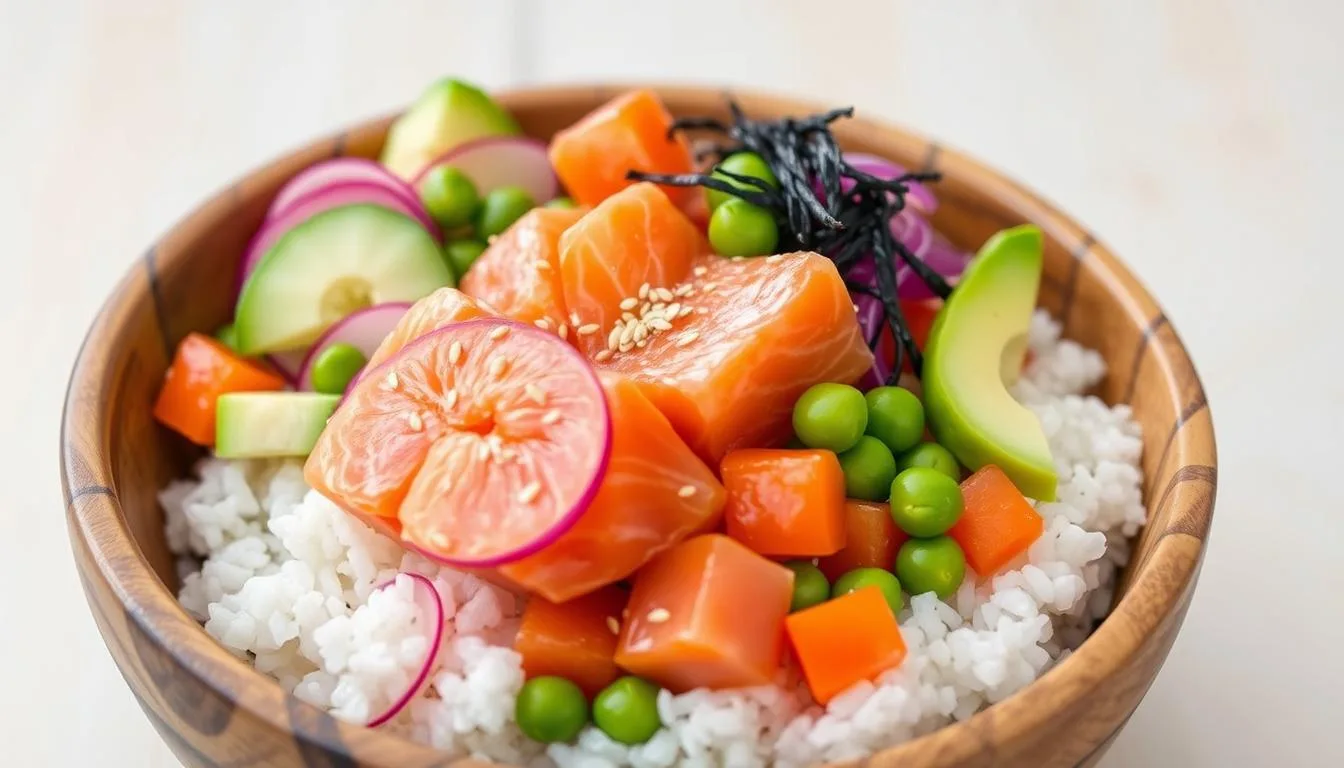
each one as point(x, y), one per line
point(1202, 140)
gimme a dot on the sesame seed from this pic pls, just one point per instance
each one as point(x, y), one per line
point(663, 294)
point(641, 332)
point(658, 615)
point(643, 291)
point(855, 306)
point(774, 257)
point(542, 323)
point(483, 451)
point(672, 309)
point(614, 338)
point(701, 271)
point(550, 417)
point(508, 454)
point(739, 258)
point(701, 311)
point(659, 324)
point(684, 289)
point(455, 352)
point(497, 367)
point(642, 343)
point(415, 421)
point(626, 346)
point(563, 331)
point(529, 492)
point(450, 398)
point(645, 307)
point(686, 491)
point(669, 381)
point(440, 539)
point(657, 309)
point(543, 265)
point(534, 392)
point(627, 317)
point(708, 287)
point(613, 625)
point(391, 380)
point(687, 338)
point(629, 303)
point(499, 333)
point(628, 333)
point(685, 311)
point(589, 329)
point(602, 356)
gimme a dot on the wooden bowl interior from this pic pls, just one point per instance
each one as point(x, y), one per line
point(116, 458)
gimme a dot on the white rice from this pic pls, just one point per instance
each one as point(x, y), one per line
point(289, 581)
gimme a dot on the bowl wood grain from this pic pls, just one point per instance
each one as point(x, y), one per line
point(214, 710)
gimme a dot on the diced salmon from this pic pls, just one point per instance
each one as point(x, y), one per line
point(440, 308)
point(707, 613)
point(749, 337)
point(574, 640)
point(519, 274)
point(656, 492)
point(871, 540)
point(628, 133)
point(634, 238)
point(785, 502)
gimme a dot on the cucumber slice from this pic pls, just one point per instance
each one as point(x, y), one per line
point(336, 262)
point(256, 425)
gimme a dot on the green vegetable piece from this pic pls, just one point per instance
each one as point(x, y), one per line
point(871, 577)
point(551, 709)
point(738, 228)
point(263, 425)
point(449, 195)
point(742, 164)
point(934, 565)
point(869, 469)
point(931, 455)
point(500, 208)
point(336, 366)
point(461, 254)
point(830, 416)
point(975, 350)
point(561, 202)
point(448, 113)
point(925, 502)
point(810, 586)
point(895, 416)
point(627, 710)
point(228, 336)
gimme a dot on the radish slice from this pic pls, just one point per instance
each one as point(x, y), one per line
point(338, 172)
point(430, 606)
point(325, 199)
point(919, 196)
point(364, 329)
point(501, 161)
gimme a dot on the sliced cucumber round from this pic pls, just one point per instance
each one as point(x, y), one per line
point(257, 425)
point(335, 263)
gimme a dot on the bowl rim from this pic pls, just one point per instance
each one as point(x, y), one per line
point(97, 522)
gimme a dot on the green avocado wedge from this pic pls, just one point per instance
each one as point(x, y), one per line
point(450, 112)
point(979, 336)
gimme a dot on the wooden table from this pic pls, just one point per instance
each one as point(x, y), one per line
point(1201, 139)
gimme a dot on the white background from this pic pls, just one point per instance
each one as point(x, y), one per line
point(1201, 139)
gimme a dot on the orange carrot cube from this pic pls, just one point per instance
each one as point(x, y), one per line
point(707, 613)
point(202, 370)
point(842, 641)
point(997, 523)
point(785, 502)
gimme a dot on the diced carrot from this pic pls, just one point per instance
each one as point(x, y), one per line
point(997, 522)
point(628, 133)
point(842, 641)
point(785, 502)
point(574, 640)
point(202, 370)
point(871, 540)
point(707, 613)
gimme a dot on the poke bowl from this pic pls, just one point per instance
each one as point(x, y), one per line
point(592, 426)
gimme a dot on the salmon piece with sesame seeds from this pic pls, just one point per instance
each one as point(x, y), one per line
point(519, 274)
point(441, 308)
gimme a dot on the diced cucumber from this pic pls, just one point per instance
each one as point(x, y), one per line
point(338, 261)
point(256, 425)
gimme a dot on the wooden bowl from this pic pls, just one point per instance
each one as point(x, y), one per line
point(214, 709)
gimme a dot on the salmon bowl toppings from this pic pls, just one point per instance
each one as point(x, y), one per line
point(661, 440)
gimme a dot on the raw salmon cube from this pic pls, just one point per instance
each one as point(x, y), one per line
point(519, 274)
point(785, 502)
point(707, 613)
point(574, 640)
point(871, 539)
point(440, 308)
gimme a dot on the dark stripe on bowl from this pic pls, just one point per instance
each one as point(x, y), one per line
point(1147, 336)
point(160, 316)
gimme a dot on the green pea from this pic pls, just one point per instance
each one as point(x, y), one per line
point(869, 469)
point(738, 228)
point(742, 164)
point(627, 710)
point(859, 578)
point(934, 565)
point(228, 336)
point(461, 254)
point(336, 366)
point(449, 195)
point(809, 585)
point(551, 709)
point(925, 502)
point(500, 209)
point(931, 455)
point(830, 416)
point(895, 416)
point(560, 202)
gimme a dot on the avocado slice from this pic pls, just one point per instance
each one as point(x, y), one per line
point(255, 425)
point(975, 348)
point(449, 112)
